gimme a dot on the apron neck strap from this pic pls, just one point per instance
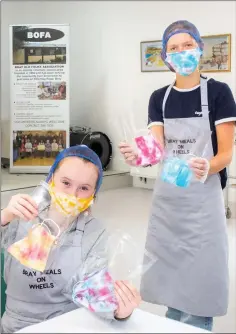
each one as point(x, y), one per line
point(203, 92)
point(204, 96)
point(166, 97)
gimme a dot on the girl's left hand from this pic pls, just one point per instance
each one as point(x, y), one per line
point(128, 299)
point(200, 167)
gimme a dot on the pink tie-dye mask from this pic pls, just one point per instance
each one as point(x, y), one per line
point(96, 292)
point(150, 151)
point(33, 251)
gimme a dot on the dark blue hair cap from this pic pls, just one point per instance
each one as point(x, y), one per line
point(80, 151)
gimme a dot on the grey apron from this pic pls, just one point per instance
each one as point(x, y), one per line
point(32, 296)
point(187, 232)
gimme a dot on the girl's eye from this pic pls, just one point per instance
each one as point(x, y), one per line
point(84, 188)
point(66, 183)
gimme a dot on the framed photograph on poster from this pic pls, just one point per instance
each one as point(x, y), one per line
point(217, 53)
point(151, 57)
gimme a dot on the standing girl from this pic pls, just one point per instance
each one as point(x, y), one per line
point(187, 227)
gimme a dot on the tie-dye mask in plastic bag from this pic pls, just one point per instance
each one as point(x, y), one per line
point(149, 150)
point(33, 251)
point(144, 149)
point(115, 258)
point(96, 292)
point(177, 171)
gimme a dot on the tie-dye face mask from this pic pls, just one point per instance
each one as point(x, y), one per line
point(150, 151)
point(184, 62)
point(176, 171)
point(96, 292)
point(33, 251)
point(69, 205)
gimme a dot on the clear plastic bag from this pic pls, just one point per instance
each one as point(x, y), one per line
point(118, 260)
point(33, 250)
point(96, 292)
point(41, 196)
point(147, 150)
point(187, 144)
point(34, 240)
point(19, 228)
point(125, 257)
point(176, 171)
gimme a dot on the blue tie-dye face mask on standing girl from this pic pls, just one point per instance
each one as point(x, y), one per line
point(184, 62)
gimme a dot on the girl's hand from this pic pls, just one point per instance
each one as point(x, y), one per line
point(200, 167)
point(128, 153)
point(128, 299)
point(20, 206)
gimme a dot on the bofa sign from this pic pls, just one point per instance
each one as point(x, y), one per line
point(39, 35)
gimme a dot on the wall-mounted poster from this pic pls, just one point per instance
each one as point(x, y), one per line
point(151, 57)
point(39, 96)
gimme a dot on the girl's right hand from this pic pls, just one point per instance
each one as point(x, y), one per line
point(20, 206)
point(129, 154)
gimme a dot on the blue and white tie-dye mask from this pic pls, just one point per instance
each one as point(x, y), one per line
point(184, 62)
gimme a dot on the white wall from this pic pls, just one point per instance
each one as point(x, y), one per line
point(106, 81)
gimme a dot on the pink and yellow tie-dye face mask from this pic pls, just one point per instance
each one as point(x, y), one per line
point(150, 151)
point(33, 251)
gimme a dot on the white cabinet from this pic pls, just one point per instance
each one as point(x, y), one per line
point(146, 172)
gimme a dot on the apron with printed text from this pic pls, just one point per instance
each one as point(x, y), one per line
point(187, 231)
point(33, 296)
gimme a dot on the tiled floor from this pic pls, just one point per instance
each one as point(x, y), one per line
point(127, 209)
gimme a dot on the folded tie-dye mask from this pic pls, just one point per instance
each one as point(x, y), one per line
point(33, 251)
point(96, 292)
point(150, 151)
point(177, 172)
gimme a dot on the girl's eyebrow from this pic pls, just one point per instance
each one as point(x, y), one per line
point(175, 45)
point(87, 184)
point(67, 178)
point(190, 41)
point(172, 45)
